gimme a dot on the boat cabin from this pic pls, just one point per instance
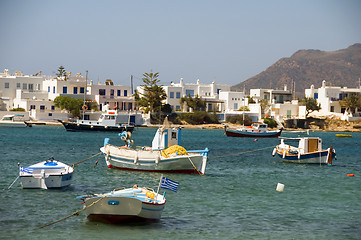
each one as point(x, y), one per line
point(13, 117)
point(165, 138)
point(310, 144)
point(256, 127)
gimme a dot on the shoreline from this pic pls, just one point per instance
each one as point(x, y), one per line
point(220, 126)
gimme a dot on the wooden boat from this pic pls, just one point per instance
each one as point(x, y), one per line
point(165, 155)
point(106, 122)
point(124, 205)
point(343, 135)
point(46, 174)
point(309, 150)
point(257, 130)
point(13, 120)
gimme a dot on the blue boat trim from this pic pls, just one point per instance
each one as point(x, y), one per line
point(151, 209)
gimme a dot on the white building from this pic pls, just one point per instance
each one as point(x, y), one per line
point(207, 92)
point(329, 98)
point(9, 84)
point(271, 95)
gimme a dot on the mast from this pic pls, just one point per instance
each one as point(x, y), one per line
point(86, 85)
point(244, 100)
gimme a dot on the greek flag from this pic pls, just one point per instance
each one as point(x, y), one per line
point(169, 184)
point(26, 169)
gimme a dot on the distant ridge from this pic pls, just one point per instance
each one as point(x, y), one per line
point(306, 67)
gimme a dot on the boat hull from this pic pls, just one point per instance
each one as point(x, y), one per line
point(239, 133)
point(152, 161)
point(52, 181)
point(122, 209)
point(72, 126)
point(320, 157)
point(10, 124)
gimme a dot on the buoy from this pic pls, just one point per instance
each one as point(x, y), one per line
point(280, 187)
point(350, 175)
point(256, 140)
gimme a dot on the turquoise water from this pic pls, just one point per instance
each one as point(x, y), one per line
point(236, 199)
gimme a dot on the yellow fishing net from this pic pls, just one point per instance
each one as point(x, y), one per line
point(173, 149)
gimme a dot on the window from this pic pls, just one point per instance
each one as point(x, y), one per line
point(189, 92)
point(111, 92)
point(218, 90)
point(177, 108)
point(235, 106)
point(53, 89)
point(177, 94)
point(125, 93)
point(25, 86)
point(130, 106)
point(315, 95)
point(32, 107)
point(265, 96)
point(31, 87)
point(42, 107)
point(50, 114)
point(171, 94)
point(289, 113)
point(119, 93)
point(17, 85)
point(82, 90)
point(65, 89)
point(7, 85)
point(332, 109)
point(48, 89)
point(75, 90)
point(53, 107)
point(102, 92)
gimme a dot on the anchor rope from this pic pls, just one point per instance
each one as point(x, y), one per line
point(255, 150)
point(194, 166)
point(86, 159)
point(73, 214)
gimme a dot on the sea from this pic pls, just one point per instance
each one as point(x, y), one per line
point(235, 199)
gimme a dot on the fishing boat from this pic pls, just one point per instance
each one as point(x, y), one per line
point(165, 155)
point(256, 130)
point(309, 150)
point(107, 122)
point(46, 174)
point(13, 120)
point(124, 205)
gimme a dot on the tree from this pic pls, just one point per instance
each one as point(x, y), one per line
point(62, 73)
point(153, 94)
point(264, 106)
point(351, 103)
point(196, 103)
point(70, 104)
point(311, 105)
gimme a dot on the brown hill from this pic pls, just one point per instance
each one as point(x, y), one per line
point(306, 67)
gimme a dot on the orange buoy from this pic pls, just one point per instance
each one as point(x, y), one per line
point(350, 175)
point(256, 140)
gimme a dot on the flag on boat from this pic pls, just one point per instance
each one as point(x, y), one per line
point(169, 184)
point(26, 169)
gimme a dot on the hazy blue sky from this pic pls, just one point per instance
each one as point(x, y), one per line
point(225, 41)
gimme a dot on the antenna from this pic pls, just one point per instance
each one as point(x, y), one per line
point(131, 84)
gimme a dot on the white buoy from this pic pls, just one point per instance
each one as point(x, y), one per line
point(280, 187)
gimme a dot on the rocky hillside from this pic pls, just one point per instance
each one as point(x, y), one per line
point(306, 67)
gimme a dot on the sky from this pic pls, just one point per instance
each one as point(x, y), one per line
point(226, 41)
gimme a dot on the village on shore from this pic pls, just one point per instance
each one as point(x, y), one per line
point(33, 97)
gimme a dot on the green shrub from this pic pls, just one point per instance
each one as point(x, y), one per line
point(199, 118)
point(238, 119)
point(17, 110)
point(271, 123)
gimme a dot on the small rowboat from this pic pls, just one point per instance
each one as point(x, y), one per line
point(343, 135)
point(124, 205)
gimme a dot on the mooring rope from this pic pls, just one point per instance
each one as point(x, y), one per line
point(73, 214)
point(194, 166)
point(227, 155)
point(86, 159)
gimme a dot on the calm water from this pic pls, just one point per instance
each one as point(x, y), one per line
point(236, 199)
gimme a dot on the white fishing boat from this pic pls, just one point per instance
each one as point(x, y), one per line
point(165, 155)
point(13, 120)
point(46, 174)
point(124, 205)
point(308, 150)
point(107, 122)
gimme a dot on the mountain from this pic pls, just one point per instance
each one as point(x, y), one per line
point(306, 67)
